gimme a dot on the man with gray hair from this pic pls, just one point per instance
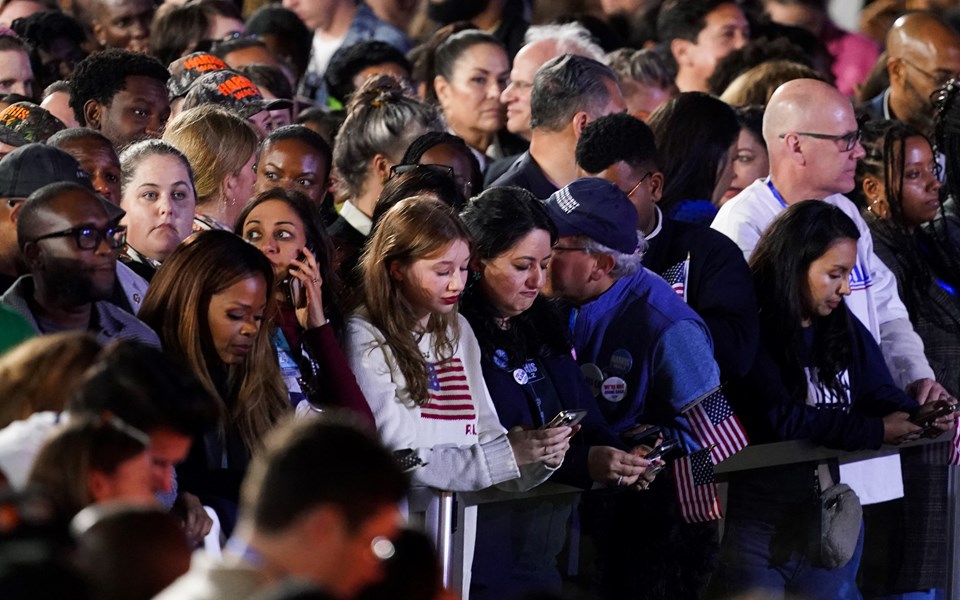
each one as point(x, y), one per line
point(568, 93)
point(626, 314)
point(649, 359)
point(541, 44)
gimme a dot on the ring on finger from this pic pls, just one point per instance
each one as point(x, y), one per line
point(619, 480)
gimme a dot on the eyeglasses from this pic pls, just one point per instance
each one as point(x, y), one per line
point(89, 238)
point(572, 249)
point(466, 187)
point(636, 187)
point(939, 79)
point(848, 141)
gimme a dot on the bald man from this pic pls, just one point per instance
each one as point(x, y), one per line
point(923, 53)
point(813, 141)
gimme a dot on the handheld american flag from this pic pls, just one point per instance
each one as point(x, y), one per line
point(954, 457)
point(677, 276)
point(714, 425)
point(696, 491)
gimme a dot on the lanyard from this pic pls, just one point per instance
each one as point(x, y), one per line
point(775, 193)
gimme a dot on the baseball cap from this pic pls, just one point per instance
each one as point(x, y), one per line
point(187, 69)
point(30, 167)
point(597, 209)
point(24, 123)
point(232, 91)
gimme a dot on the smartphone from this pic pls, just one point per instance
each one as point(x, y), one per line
point(663, 450)
point(641, 435)
point(942, 409)
point(566, 418)
point(295, 293)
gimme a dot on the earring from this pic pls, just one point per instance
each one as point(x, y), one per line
point(475, 275)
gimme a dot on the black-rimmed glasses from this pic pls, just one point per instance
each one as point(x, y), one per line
point(89, 238)
point(847, 141)
point(466, 187)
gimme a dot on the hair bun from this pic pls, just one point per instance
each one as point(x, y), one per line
point(375, 92)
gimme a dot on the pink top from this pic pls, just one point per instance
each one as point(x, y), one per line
point(854, 56)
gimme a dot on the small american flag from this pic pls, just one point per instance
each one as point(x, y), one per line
point(450, 398)
point(696, 491)
point(954, 458)
point(676, 276)
point(714, 424)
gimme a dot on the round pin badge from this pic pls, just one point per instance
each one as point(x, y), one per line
point(621, 362)
point(613, 389)
point(593, 375)
point(500, 358)
point(520, 376)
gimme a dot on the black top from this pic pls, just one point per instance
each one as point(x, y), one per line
point(719, 288)
point(526, 173)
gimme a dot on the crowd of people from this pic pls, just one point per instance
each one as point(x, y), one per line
point(268, 271)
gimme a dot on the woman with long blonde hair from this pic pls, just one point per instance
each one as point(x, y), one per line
point(208, 303)
point(221, 148)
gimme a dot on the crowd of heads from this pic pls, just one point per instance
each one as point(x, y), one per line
point(190, 190)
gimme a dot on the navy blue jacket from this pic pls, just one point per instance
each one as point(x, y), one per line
point(719, 289)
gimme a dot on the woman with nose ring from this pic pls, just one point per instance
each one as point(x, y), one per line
point(528, 367)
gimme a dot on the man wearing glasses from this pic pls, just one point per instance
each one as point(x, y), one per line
point(70, 245)
point(703, 266)
point(814, 144)
point(923, 54)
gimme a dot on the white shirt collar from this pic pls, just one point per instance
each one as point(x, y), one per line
point(359, 221)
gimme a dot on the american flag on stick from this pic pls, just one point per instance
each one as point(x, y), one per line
point(714, 425)
point(696, 491)
point(954, 458)
point(677, 277)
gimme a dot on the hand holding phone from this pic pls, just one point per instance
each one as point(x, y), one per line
point(930, 413)
point(566, 418)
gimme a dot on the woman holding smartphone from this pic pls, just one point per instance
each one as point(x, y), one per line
point(819, 376)
point(286, 227)
point(532, 376)
point(418, 362)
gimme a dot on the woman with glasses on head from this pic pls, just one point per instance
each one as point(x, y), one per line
point(442, 148)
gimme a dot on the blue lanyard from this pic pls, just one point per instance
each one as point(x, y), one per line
point(775, 193)
point(946, 287)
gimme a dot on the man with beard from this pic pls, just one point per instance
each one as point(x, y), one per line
point(70, 245)
point(338, 24)
point(923, 54)
point(121, 94)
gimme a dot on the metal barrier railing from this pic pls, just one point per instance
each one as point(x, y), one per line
point(449, 506)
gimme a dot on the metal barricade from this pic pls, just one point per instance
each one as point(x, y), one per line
point(445, 525)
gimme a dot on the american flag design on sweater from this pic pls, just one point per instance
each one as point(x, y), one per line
point(450, 398)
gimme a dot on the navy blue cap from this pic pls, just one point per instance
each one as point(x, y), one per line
point(597, 209)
